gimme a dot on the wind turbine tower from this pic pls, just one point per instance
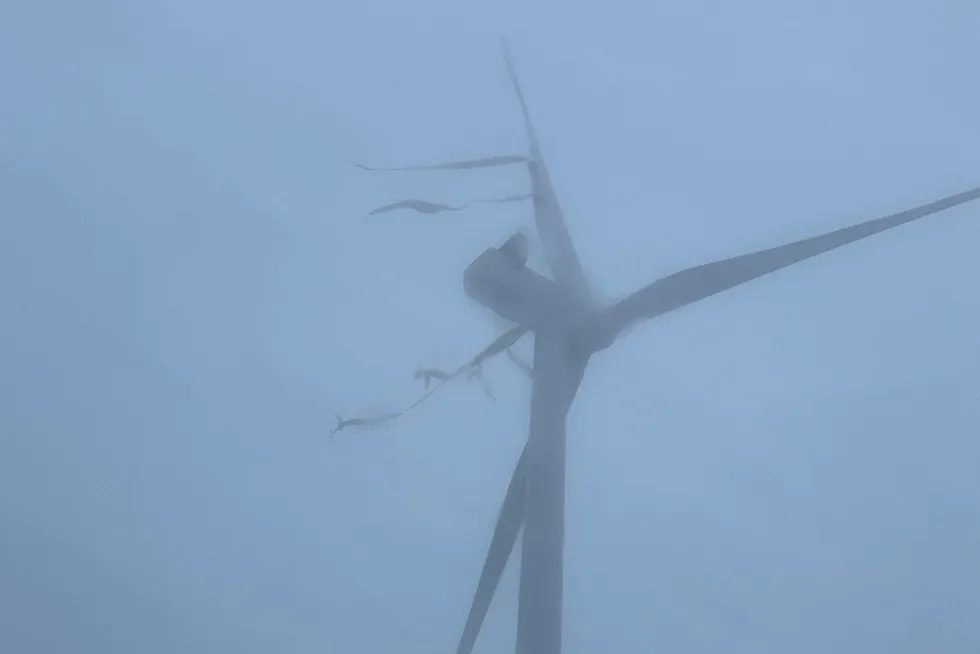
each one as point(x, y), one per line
point(569, 327)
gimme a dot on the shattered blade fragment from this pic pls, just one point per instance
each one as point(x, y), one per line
point(424, 206)
point(509, 198)
point(428, 374)
point(343, 423)
point(462, 164)
point(420, 206)
point(500, 344)
point(474, 366)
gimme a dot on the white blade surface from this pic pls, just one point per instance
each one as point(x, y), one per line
point(688, 286)
point(548, 217)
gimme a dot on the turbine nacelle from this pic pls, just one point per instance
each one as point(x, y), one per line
point(500, 280)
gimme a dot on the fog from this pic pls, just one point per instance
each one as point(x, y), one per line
point(191, 290)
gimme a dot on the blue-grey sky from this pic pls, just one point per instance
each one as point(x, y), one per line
point(190, 292)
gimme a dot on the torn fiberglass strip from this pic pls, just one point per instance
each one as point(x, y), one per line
point(499, 345)
point(462, 164)
point(426, 207)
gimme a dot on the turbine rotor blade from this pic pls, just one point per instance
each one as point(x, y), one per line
point(688, 286)
point(548, 217)
point(509, 522)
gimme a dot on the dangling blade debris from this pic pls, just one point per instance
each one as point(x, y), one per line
point(426, 207)
point(462, 164)
point(497, 347)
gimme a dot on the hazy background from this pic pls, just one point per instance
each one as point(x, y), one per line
point(189, 291)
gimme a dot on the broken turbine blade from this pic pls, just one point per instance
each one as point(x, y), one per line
point(420, 206)
point(462, 164)
point(498, 346)
point(507, 198)
point(548, 217)
point(426, 207)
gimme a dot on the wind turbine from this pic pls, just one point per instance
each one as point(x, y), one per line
point(569, 326)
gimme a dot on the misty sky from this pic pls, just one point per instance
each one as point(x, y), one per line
point(190, 291)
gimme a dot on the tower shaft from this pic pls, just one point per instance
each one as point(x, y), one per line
point(539, 621)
